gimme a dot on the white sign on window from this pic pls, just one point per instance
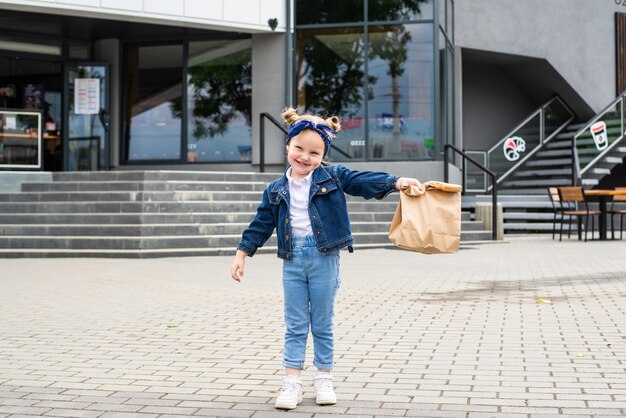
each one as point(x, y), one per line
point(86, 96)
point(11, 122)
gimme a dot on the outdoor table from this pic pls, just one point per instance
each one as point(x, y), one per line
point(603, 196)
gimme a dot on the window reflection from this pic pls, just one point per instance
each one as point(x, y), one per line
point(328, 11)
point(387, 103)
point(389, 10)
point(401, 98)
point(330, 75)
point(154, 94)
point(220, 101)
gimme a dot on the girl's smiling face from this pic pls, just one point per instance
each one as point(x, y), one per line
point(304, 153)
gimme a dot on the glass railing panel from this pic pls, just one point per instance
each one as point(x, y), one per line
point(556, 115)
point(476, 180)
point(599, 135)
point(507, 153)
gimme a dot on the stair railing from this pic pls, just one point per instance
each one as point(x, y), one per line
point(509, 153)
point(494, 196)
point(265, 115)
point(598, 137)
point(276, 123)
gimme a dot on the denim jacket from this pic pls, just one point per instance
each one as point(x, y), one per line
point(328, 210)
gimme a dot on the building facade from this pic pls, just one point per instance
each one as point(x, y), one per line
point(182, 84)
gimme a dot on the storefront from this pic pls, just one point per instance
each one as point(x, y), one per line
point(87, 94)
point(138, 90)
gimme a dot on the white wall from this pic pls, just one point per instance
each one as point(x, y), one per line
point(577, 37)
point(240, 15)
point(268, 94)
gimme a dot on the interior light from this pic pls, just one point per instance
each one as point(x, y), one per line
point(30, 47)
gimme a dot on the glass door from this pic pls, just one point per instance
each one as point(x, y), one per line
point(86, 139)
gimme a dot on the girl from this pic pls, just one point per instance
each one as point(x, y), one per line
point(308, 209)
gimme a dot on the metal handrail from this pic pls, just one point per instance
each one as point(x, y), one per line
point(271, 118)
point(280, 126)
point(577, 172)
point(494, 196)
point(542, 135)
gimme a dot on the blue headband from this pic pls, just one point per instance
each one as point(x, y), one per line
point(320, 128)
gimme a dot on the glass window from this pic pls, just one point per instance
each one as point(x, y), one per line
point(328, 11)
point(401, 92)
point(20, 139)
point(36, 85)
point(154, 91)
point(220, 101)
point(330, 74)
point(388, 10)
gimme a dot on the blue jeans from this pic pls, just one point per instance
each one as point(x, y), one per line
point(310, 283)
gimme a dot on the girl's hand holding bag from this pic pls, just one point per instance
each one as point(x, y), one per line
point(429, 220)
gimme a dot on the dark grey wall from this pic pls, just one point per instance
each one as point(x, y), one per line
point(492, 105)
point(577, 37)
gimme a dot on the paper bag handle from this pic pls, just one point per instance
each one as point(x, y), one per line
point(414, 191)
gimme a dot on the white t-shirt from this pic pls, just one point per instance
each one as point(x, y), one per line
point(299, 205)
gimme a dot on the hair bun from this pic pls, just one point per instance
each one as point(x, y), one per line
point(290, 116)
point(334, 123)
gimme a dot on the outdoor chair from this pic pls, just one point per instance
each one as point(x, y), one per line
point(557, 207)
point(574, 199)
point(620, 212)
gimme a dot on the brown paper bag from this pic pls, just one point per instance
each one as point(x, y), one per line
point(428, 221)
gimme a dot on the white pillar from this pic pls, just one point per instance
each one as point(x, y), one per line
point(268, 94)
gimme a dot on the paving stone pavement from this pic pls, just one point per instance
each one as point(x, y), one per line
point(525, 328)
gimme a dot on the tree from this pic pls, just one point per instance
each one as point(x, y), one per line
point(222, 90)
point(330, 61)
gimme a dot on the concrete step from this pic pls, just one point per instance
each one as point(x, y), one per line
point(526, 227)
point(166, 242)
point(539, 182)
point(520, 205)
point(547, 172)
point(165, 218)
point(528, 216)
point(466, 240)
point(524, 190)
point(160, 230)
point(156, 214)
point(553, 153)
point(165, 207)
point(507, 198)
point(134, 186)
point(549, 162)
point(588, 183)
point(164, 175)
point(150, 196)
point(120, 197)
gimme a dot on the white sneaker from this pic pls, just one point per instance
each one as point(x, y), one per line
point(324, 392)
point(290, 393)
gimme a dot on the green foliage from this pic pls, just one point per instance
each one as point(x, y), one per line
point(331, 66)
point(222, 90)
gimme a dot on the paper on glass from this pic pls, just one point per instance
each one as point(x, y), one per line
point(86, 96)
